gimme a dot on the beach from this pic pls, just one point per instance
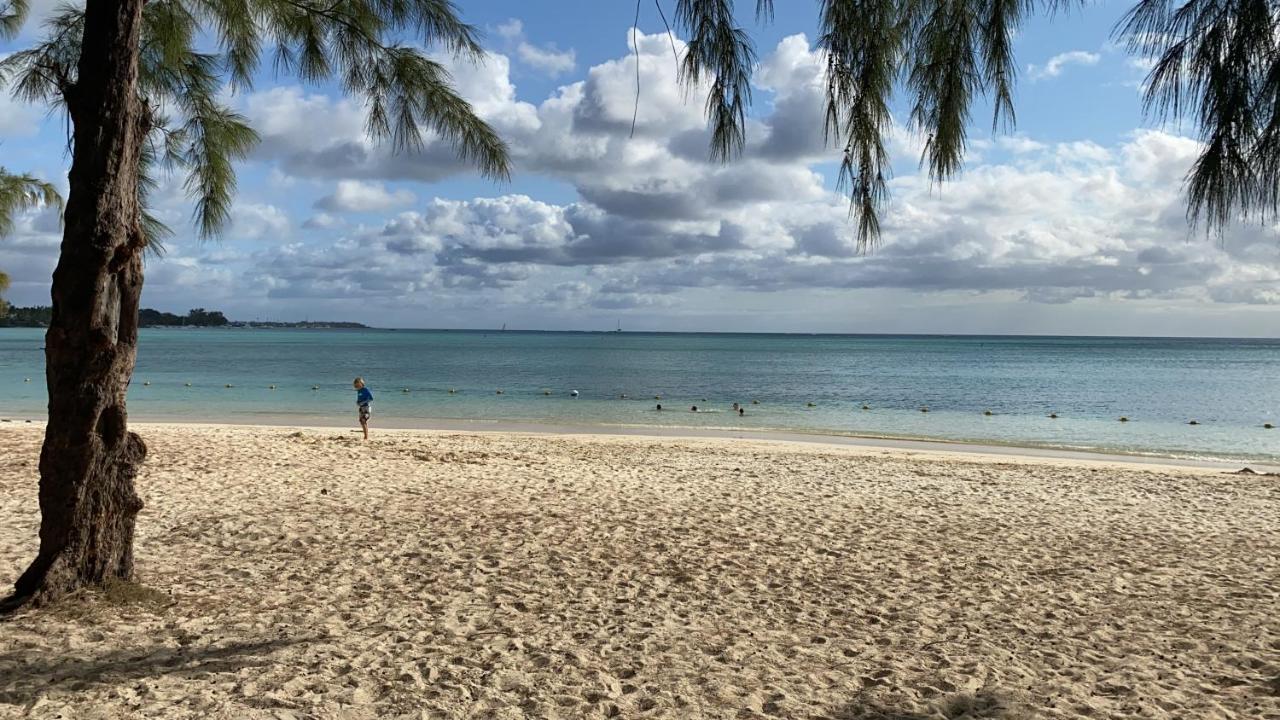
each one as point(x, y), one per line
point(301, 573)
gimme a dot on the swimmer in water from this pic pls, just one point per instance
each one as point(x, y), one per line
point(659, 408)
point(693, 409)
point(741, 412)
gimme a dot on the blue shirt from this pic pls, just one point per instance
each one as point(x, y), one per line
point(364, 396)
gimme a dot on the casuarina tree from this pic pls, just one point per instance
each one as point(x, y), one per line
point(141, 96)
point(1216, 62)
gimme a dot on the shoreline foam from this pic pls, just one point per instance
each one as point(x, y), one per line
point(819, 437)
point(992, 448)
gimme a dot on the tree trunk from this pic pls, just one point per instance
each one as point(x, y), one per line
point(90, 459)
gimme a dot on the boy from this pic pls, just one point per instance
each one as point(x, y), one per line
point(363, 399)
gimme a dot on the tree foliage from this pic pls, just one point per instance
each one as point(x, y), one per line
point(1216, 61)
point(19, 193)
point(942, 53)
point(23, 192)
point(373, 48)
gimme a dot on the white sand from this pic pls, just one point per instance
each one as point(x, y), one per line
point(507, 576)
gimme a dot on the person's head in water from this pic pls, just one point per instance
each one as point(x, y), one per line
point(741, 412)
point(659, 406)
point(735, 406)
point(693, 409)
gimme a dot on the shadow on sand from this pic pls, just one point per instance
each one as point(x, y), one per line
point(975, 706)
point(25, 675)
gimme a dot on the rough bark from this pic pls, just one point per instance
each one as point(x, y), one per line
point(90, 459)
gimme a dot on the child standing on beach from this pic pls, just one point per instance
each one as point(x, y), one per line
point(364, 397)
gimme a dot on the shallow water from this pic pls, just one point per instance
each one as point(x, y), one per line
point(1232, 387)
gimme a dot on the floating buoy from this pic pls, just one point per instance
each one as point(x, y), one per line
point(1124, 419)
point(924, 409)
point(1053, 416)
point(573, 393)
point(1194, 422)
point(987, 412)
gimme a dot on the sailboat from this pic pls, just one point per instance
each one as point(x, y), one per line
point(619, 326)
point(504, 327)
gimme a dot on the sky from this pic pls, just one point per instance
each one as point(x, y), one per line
point(1073, 223)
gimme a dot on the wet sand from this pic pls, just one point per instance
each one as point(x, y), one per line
point(305, 574)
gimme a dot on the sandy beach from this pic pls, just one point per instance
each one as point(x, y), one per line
point(305, 574)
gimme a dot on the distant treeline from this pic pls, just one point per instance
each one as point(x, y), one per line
point(198, 317)
point(41, 316)
point(26, 317)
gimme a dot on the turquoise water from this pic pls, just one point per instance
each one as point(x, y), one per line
point(1231, 386)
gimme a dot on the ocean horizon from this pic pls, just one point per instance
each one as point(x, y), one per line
point(812, 383)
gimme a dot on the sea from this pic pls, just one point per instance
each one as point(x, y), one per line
point(990, 390)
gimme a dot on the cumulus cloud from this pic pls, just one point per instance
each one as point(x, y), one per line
point(357, 196)
point(653, 222)
point(1060, 62)
point(256, 221)
point(17, 119)
point(1065, 222)
point(322, 221)
point(547, 59)
point(320, 137)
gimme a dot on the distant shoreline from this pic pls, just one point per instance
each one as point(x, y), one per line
point(343, 325)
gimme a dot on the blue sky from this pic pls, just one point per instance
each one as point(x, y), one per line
point(1071, 224)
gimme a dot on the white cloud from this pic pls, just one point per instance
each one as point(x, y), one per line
point(357, 196)
point(322, 221)
point(656, 219)
point(17, 119)
point(1056, 64)
point(1052, 228)
point(1018, 144)
point(548, 59)
point(257, 221)
point(654, 224)
point(512, 29)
